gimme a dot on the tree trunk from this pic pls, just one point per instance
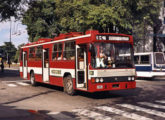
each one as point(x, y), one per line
point(154, 39)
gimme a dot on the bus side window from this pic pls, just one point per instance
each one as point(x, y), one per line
point(69, 51)
point(81, 58)
point(137, 59)
point(145, 59)
point(32, 53)
point(39, 53)
point(57, 51)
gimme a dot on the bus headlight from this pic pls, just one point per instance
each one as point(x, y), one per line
point(97, 80)
point(129, 78)
point(133, 78)
point(101, 80)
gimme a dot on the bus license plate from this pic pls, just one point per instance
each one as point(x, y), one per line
point(99, 87)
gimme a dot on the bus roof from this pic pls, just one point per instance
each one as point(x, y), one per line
point(82, 38)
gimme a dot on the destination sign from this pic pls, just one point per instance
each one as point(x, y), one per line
point(112, 38)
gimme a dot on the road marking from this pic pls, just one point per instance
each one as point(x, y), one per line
point(141, 80)
point(15, 81)
point(149, 111)
point(53, 113)
point(21, 83)
point(152, 105)
point(91, 114)
point(123, 113)
point(59, 116)
point(160, 101)
point(12, 85)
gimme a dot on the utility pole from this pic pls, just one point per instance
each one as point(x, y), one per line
point(144, 35)
point(9, 62)
point(10, 30)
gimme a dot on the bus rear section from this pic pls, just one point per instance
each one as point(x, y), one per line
point(150, 65)
point(92, 62)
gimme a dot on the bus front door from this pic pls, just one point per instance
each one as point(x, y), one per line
point(81, 67)
point(25, 68)
point(45, 65)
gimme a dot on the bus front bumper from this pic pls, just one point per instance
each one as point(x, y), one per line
point(95, 87)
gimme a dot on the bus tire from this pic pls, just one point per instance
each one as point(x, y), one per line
point(68, 85)
point(32, 79)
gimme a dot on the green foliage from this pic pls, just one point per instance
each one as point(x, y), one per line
point(46, 17)
point(40, 19)
point(17, 55)
point(9, 51)
point(10, 8)
point(148, 15)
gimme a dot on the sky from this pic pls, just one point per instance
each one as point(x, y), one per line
point(18, 34)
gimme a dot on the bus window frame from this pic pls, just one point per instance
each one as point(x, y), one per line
point(140, 60)
point(57, 52)
point(33, 54)
point(149, 62)
point(36, 50)
point(70, 50)
point(155, 61)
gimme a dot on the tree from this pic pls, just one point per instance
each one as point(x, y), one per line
point(14, 8)
point(9, 51)
point(17, 55)
point(46, 17)
point(148, 17)
point(40, 19)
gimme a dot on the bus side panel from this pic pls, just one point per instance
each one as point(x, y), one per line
point(36, 67)
point(93, 87)
point(21, 64)
point(34, 64)
point(63, 64)
point(144, 68)
point(56, 81)
point(28, 76)
point(20, 69)
point(38, 77)
point(21, 74)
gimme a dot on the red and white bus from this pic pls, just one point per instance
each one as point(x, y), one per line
point(88, 62)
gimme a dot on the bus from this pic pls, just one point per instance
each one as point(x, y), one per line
point(88, 62)
point(150, 64)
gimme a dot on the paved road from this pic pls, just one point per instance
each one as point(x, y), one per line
point(146, 102)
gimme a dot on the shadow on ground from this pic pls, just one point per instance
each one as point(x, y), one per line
point(11, 113)
point(8, 74)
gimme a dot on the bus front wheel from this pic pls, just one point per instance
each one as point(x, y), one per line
point(68, 85)
point(32, 79)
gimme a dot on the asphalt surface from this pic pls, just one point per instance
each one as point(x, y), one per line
point(11, 112)
point(20, 101)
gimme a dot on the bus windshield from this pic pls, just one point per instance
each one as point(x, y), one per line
point(111, 55)
point(159, 58)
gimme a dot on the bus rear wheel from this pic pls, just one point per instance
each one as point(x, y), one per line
point(68, 85)
point(32, 79)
